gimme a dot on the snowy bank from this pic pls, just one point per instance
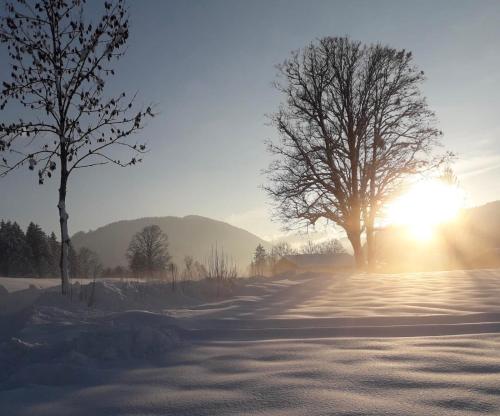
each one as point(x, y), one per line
point(48, 339)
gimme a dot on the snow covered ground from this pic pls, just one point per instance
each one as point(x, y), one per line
point(406, 344)
point(13, 284)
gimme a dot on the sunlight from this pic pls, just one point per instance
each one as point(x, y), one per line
point(426, 205)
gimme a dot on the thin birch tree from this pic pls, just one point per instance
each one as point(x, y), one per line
point(60, 62)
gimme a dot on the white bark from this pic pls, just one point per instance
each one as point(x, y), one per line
point(63, 219)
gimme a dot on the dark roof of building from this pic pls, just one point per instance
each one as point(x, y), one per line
point(321, 260)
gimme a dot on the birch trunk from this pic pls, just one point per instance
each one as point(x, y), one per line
point(63, 221)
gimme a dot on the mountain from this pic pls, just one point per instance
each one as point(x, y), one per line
point(191, 235)
point(483, 223)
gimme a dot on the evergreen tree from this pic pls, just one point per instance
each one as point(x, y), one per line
point(74, 265)
point(259, 260)
point(38, 244)
point(55, 255)
point(15, 253)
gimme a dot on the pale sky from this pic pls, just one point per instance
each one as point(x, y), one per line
point(209, 65)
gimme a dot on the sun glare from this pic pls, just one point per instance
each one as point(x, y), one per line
point(426, 205)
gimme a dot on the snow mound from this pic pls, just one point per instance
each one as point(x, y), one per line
point(53, 351)
point(153, 295)
point(49, 339)
point(116, 295)
point(132, 334)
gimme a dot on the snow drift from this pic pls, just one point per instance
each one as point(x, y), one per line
point(340, 344)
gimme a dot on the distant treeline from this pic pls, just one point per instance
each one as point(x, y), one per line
point(34, 253)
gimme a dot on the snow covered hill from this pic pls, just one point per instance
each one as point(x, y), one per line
point(190, 235)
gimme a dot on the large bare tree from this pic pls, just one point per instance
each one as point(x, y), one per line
point(59, 65)
point(402, 133)
point(352, 125)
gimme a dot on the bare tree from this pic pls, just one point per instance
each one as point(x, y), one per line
point(309, 248)
point(322, 122)
point(332, 246)
point(334, 160)
point(59, 66)
point(148, 251)
point(193, 270)
point(219, 266)
point(401, 134)
point(282, 249)
point(188, 272)
point(89, 264)
point(200, 270)
point(173, 271)
point(449, 177)
point(277, 252)
point(220, 269)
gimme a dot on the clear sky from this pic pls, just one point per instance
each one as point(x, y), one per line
point(209, 66)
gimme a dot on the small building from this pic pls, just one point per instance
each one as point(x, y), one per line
point(320, 263)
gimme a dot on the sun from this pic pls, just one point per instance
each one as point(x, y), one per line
point(424, 206)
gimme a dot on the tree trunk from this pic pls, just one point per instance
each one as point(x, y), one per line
point(372, 207)
point(63, 221)
point(354, 232)
point(359, 258)
point(370, 246)
point(371, 249)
